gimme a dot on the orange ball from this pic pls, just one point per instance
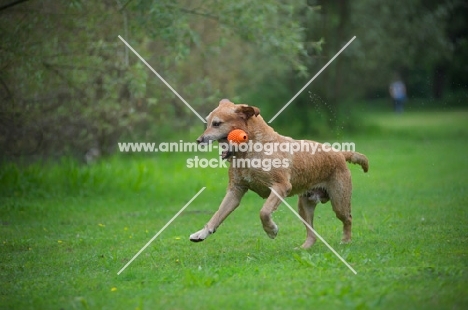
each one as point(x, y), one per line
point(238, 136)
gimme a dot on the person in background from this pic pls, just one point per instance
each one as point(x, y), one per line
point(397, 91)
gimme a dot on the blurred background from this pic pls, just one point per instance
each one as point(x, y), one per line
point(69, 86)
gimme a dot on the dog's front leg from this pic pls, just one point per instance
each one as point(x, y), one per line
point(229, 204)
point(270, 206)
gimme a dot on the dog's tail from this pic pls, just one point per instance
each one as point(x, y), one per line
point(357, 158)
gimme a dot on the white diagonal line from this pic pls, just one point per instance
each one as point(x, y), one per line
point(308, 83)
point(162, 229)
point(163, 80)
point(320, 237)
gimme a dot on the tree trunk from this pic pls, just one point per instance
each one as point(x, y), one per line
point(438, 82)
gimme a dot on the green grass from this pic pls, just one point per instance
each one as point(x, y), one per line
point(67, 229)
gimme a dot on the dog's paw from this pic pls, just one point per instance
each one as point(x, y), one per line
point(272, 232)
point(308, 243)
point(200, 235)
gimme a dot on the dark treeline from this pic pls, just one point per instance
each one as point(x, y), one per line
point(68, 84)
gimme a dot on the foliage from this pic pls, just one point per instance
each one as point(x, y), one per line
point(70, 84)
point(422, 41)
point(408, 38)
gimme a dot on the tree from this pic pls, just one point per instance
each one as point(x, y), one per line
point(68, 83)
point(416, 39)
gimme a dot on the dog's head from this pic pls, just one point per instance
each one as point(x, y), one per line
point(225, 118)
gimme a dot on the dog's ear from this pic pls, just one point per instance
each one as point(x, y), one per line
point(247, 112)
point(224, 101)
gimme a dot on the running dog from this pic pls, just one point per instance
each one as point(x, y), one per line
point(317, 176)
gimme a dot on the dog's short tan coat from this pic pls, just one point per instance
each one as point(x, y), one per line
point(315, 177)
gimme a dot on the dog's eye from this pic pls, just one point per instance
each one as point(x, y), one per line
point(215, 124)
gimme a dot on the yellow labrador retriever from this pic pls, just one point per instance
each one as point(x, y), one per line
point(312, 171)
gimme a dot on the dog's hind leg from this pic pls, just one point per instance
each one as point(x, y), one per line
point(306, 208)
point(230, 203)
point(340, 197)
point(270, 206)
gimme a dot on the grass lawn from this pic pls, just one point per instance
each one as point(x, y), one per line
point(66, 230)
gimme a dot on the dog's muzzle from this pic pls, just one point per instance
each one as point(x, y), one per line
point(225, 151)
